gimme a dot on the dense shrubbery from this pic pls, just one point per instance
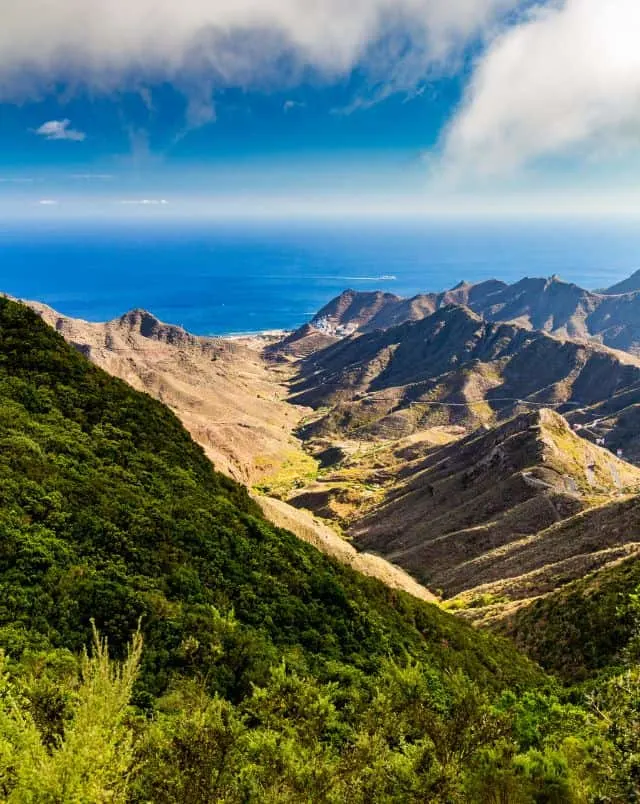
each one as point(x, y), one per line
point(269, 673)
point(585, 628)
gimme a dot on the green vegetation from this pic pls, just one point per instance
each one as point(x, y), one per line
point(268, 673)
point(297, 470)
point(462, 602)
point(584, 629)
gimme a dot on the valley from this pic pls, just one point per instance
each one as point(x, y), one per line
point(423, 436)
point(274, 619)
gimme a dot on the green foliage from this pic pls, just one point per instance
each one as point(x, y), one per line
point(91, 759)
point(109, 510)
point(586, 628)
point(270, 673)
point(617, 702)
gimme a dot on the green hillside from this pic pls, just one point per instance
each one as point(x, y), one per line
point(586, 628)
point(268, 672)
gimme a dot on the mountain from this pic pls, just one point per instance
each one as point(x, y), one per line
point(508, 513)
point(110, 510)
point(615, 422)
point(629, 285)
point(225, 395)
point(560, 308)
point(351, 310)
point(303, 342)
point(269, 672)
point(585, 627)
point(452, 367)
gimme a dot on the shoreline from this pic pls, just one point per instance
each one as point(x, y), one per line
point(264, 333)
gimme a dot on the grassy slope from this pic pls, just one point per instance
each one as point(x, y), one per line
point(582, 629)
point(109, 510)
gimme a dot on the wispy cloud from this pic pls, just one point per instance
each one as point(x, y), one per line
point(92, 176)
point(145, 202)
point(290, 105)
point(16, 180)
point(210, 44)
point(60, 130)
point(48, 202)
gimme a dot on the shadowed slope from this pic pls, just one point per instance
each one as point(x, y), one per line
point(552, 305)
point(486, 508)
point(452, 368)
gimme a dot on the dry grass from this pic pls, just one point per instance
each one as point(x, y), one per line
point(231, 400)
point(304, 525)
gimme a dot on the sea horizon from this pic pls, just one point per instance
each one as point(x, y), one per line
point(243, 279)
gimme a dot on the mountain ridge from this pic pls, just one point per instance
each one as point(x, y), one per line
point(548, 304)
point(473, 512)
point(459, 367)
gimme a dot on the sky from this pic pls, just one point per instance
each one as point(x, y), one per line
point(160, 108)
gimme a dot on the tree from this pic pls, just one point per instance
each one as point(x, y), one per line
point(92, 760)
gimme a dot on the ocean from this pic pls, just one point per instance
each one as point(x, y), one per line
point(223, 279)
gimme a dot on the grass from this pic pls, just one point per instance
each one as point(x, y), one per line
point(297, 470)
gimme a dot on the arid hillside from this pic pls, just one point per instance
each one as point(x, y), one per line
point(452, 367)
point(222, 390)
point(561, 308)
point(233, 402)
point(428, 443)
point(508, 514)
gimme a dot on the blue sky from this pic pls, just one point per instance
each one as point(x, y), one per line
point(379, 106)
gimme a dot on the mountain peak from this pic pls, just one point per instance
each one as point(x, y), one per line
point(144, 323)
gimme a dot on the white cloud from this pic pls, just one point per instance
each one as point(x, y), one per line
point(290, 105)
point(230, 42)
point(60, 130)
point(145, 202)
point(564, 81)
point(48, 202)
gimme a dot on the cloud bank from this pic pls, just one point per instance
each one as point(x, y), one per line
point(565, 81)
point(210, 43)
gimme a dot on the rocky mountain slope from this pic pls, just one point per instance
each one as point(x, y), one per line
point(610, 317)
point(629, 285)
point(220, 388)
point(233, 404)
point(452, 367)
point(508, 514)
point(254, 652)
point(413, 432)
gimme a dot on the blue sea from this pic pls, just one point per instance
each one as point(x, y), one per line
point(217, 279)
